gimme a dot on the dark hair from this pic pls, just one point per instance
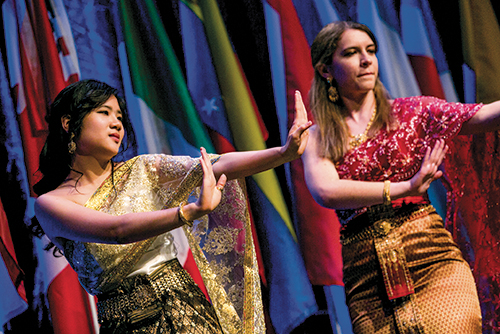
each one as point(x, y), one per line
point(75, 101)
point(329, 116)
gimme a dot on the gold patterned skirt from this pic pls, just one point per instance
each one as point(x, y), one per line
point(167, 301)
point(407, 275)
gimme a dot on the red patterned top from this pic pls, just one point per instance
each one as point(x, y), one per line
point(397, 155)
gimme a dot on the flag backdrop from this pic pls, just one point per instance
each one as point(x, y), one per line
point(222, 75)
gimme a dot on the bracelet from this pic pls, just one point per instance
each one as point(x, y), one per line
point(387, 192)
point(182, 218)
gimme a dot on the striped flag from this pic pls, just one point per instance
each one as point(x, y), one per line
point(41, 62)
point(423, 47)
point(424, 50)
point(13, 300)
point(12, 289)
point(157, 93)
point(474, 185)
point(204, 88)
point(395, 70)
point(289, 49)
point(157, 79)
point(291, 299)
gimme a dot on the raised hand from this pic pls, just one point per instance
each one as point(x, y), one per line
point(297, 136)
point(429, 171)
point(211, 191)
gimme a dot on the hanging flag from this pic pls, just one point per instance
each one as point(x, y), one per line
point(395, 70)
point(41, 62)
point(157, 78)
point(290, 296)
point(12, 289)
point(13, 300)
point(156, 91)
point(204, 89)
point(319, 228)
point(424, 50)
point(474, 185)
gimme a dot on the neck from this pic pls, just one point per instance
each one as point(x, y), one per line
point(93, 170)
point(356, 106)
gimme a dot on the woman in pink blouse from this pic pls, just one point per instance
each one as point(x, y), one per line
point(403, 272)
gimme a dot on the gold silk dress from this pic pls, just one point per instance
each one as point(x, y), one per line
point(137, 292)
point(403, 272)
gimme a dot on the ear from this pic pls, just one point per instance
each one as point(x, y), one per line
point(323, 71)
point(65, 122)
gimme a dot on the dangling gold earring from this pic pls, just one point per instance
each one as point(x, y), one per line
point(71, 144)
point(333, 94)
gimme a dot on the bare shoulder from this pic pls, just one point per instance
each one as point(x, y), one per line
point(47, 202)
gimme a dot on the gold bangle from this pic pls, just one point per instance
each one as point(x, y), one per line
point(387, 192)
point(183, 218)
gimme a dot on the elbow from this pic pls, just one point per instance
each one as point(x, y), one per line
point(325, 198)
point(119, 233)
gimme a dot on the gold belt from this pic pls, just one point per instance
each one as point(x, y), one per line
point(381, 223)
point(139, 296)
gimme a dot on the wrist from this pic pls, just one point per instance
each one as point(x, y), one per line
point(400, 189)
point(284, 155)
point(186, 214)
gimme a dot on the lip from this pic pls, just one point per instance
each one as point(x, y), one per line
point(365, 74)
point(115, 136)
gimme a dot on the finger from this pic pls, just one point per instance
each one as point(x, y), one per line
point(301, 130)
point(206, 166)
point(221, 182)
point(427, 154)
point(442, 153)
point(437, 175)
point(435, 150)
point(301, 113)
point(203, 161)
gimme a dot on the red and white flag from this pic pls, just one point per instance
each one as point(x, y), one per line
point(42, 61)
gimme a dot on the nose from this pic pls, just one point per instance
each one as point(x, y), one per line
point(116, 123)
point(366, 59)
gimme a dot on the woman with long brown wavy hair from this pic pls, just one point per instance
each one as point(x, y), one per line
point(372, 159)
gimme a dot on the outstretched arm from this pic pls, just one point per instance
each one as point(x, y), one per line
point(329, 191)
point(62, 218)
point(485, 120)
point(241, 164)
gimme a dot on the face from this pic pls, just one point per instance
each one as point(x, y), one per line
point(102, 131)
point(354, 65)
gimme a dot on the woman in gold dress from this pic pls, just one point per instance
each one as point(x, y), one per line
point(112, 220)
point(403, 272)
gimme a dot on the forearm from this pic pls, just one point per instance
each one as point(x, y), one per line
point(241, 164)
point(349, 194)
point(144, 225)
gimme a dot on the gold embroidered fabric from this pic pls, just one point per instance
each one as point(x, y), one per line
point(444, 299)
point(221, 242)
point(166, 301)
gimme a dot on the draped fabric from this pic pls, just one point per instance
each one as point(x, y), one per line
point(473, 170)
point(221, 242)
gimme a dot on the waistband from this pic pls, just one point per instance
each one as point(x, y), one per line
point(380, 220)
point(139, 297)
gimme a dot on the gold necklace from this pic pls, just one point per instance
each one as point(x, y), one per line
point(362, 137)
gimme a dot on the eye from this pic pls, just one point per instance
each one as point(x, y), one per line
point(103, 111)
